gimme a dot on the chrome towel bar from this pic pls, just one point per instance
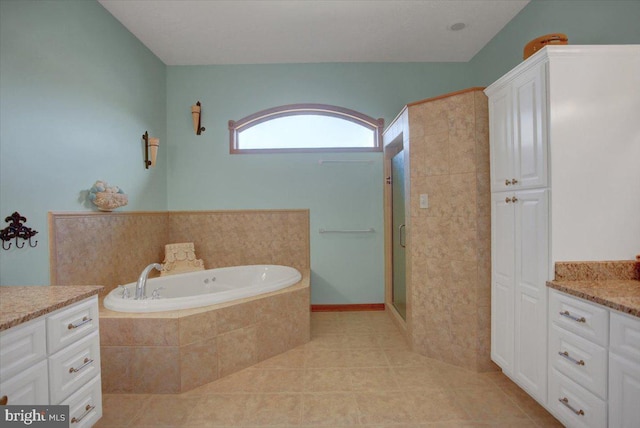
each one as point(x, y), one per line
point(370, 230)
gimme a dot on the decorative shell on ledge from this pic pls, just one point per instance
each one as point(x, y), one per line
point(107, 198)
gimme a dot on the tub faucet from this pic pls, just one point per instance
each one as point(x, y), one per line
point(141, 285)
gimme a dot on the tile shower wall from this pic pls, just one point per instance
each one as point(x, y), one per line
point(449, 249)
point(112, 248)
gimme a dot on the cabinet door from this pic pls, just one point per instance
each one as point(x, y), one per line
point(529, 128)
point(502, 281)
point(531, 274)
point(624, 392)
point(29, 387)
point(500, 131)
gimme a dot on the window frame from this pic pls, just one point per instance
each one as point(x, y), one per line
point(236, 126)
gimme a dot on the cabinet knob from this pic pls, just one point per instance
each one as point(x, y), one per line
point(4, 400)
point(514, 181)
point(507, 200)
point(514, 199)
point(507, 182)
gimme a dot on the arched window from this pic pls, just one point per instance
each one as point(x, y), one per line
point(306, 128)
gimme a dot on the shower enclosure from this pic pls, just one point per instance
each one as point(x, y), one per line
point(396, 231)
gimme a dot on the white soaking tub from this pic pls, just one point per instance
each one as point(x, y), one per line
point(203, 288)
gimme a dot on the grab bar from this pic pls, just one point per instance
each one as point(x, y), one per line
point(370, 230)
point(323, 161)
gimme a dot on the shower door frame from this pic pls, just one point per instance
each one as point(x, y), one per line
point(393, 142)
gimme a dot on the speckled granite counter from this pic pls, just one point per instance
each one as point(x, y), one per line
point(620, 294)
point(19, 304)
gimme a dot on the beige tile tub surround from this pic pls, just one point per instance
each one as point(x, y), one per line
point(448, 244)
point(113, 248)
point(176, 351)
point(170, 352)
point(104, 248)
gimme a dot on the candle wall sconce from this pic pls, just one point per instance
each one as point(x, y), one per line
point(196, 115)
point(151, 145)
point(17, 230)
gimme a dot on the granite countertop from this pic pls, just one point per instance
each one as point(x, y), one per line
point(19, 304)
point(620, 294)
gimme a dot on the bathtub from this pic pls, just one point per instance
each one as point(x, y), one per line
point(203, 288)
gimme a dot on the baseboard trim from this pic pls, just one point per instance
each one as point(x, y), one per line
point(350, 307)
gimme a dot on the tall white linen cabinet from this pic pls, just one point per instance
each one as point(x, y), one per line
point(565, 186)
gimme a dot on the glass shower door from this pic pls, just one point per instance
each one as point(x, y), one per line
point(399, 288)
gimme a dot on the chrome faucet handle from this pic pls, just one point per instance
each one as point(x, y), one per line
point(155, 294)
point(125, 291)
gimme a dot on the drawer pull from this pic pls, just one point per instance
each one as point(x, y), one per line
point(86, 362)
point(4, 400)
point(573, 360)
point(576, 319)
point(565, 401)
point(79, 323)
point(87, 409)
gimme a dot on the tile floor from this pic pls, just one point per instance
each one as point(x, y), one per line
point(357, 370)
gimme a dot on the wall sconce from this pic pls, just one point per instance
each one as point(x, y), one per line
point(196, 114)
point(150, 150)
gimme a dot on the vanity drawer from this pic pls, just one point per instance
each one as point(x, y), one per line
point(74, 366)
point(581, 360)
point(580, 317)
point(85, 405)
point(21, 347)
point(574, 405)
point(625, 336)
point(72, 323)
point(29, 387)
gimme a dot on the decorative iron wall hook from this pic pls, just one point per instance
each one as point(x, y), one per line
point(17, 230)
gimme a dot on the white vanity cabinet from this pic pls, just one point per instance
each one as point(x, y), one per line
point(594, 364)
point(55, 359)
point(578, 361)
point(563, 136)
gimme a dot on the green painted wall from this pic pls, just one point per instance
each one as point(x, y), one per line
point(77, 92)
point(585, 22)
point(346, 268)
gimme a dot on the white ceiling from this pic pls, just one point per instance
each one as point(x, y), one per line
point(202, 32)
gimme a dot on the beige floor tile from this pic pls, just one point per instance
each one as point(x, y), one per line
point(405, 358)
point(393, 340)
point(293, 358)
point(242, 381)
point(280, 380)
point(121, 409)
point(384, 408)
point(324, 358)
point(488, 405)
point(373, 379)
point(436, 406)
point(165, 411)
point(365, 358)
point(220, 409)
point(274, 409)
point(329, 409)
point(421, 378)
point(357, 370)
point(327, 380)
